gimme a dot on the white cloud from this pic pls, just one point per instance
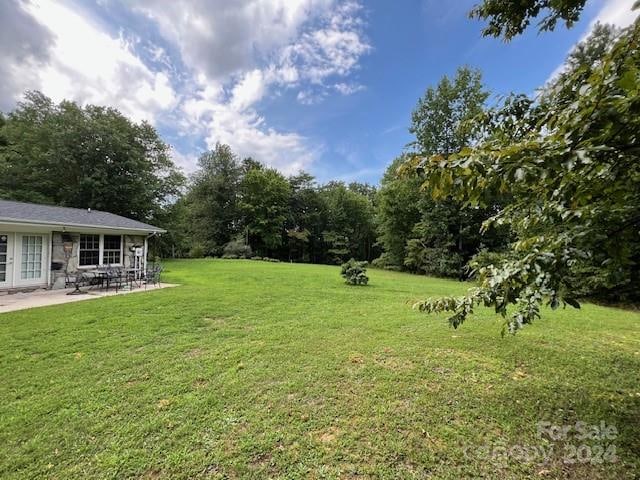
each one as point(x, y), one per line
point(220, 38)
point(88, 65)
point(310, 97)
point(306, 52)
point(24, 49)
point(333, 48)
point(249, 90)
point(616, 12)
point(348, 88)
point(220, 60)
point(187, 162)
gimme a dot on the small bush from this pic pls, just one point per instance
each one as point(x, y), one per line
point(238, 248)
point(393, 268)
point(354, 272)
point(197, 251)
point(230, 256)
point(380, 262)
point(383, 262)
point(256, 258)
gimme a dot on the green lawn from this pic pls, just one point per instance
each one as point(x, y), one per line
point(261, 370)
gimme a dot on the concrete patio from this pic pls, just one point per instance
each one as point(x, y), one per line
point(43, 298)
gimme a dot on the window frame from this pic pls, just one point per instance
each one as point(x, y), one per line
point(101, 250)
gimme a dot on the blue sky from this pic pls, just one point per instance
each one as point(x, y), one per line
point(321, 85)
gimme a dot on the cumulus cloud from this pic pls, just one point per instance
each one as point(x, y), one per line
point(83, 63)
point(207, 73)
point(307, 49)
point(220, 38)
point(24, 49)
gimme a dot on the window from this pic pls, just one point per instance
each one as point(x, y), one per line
point(31, 257)
point(111, 251)
point(100, 250)
point(89, 250)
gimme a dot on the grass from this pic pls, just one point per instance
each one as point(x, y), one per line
point(261, 370)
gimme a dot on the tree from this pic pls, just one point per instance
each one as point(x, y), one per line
point(441, 122)
point(214, 215)
point(264, 204)
point(398, 211)
point(572, 169)
point(349, 222)
point(86, 157)
point(177, 241)
point(446, 234)
point(507, 18)
point(305, 224)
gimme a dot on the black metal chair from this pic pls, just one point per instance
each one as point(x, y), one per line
point(115, 277)
point(153, 276)
point(77, 280)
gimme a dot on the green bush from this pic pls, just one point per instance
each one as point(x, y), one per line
point(230, 256)
point(197, 251)
point(256, 258)
point(354, 272)
point(439, 261)
point(238, 248)
point(383, 262)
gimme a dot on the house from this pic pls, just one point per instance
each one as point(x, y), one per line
point(41, 244)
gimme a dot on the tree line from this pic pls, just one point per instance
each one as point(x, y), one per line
point(240, 207)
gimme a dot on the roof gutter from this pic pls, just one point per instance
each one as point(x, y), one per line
point(80, 225)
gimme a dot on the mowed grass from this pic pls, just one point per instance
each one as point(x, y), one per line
point(260, 370)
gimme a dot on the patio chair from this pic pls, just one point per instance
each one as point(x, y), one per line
point(115, 277)
point(70, 279)
point(77, 280)
point(152, 276)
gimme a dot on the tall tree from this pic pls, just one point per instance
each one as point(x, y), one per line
point(306, 219)
point(83, 157)
point(573, 172)
point(441, 121)
point(264, 205)
point(213, 199)
point(349, 222)
point(398, 211)
point(447, 234)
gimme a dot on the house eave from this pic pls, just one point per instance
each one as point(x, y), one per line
point(75, 226)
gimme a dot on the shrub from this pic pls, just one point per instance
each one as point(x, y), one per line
point(230, 256)
point(383, 262)
point(238, 248)
point(197, 251)
point(393, 268)
point(256, 258)
point(354, 272)
point(438, 261)
point(380, 262)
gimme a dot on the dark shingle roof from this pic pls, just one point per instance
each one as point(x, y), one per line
point(19, 212)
